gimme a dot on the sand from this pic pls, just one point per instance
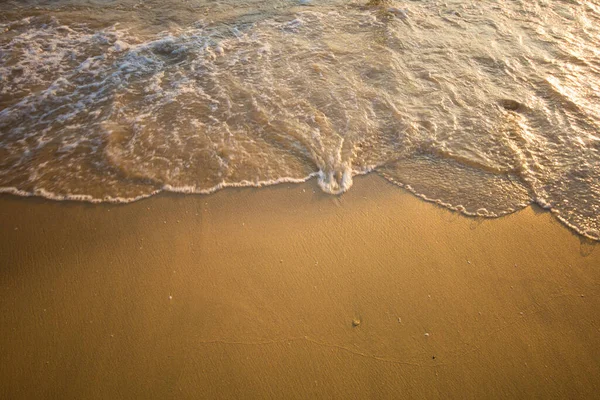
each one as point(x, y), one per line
point(285, 292)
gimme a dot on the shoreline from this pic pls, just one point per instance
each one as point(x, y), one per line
point(312, 180)
point(285, 291)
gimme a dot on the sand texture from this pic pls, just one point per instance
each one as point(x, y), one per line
point(285, 292)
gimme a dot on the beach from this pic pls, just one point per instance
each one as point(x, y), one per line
point(299, 199)
point(288, 292)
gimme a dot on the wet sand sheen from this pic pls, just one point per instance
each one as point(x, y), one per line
point(286, 292)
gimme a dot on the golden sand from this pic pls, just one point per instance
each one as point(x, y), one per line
point(285, 292)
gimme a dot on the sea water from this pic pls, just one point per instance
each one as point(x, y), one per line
point(482, 106)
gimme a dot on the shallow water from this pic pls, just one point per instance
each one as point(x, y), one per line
point(482, 106)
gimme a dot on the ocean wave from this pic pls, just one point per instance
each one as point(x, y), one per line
point(479, 108)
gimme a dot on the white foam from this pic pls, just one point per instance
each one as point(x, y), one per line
point(335, 182)
point(166, 188)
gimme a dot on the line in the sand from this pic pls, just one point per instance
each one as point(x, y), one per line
point(392, 360)
point(313, 341)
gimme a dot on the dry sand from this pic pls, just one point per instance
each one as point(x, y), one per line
point(285, 292)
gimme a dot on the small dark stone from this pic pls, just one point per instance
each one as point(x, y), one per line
point(433, 358)
point(510, 105)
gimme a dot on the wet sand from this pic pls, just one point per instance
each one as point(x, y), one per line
point(285, 292)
